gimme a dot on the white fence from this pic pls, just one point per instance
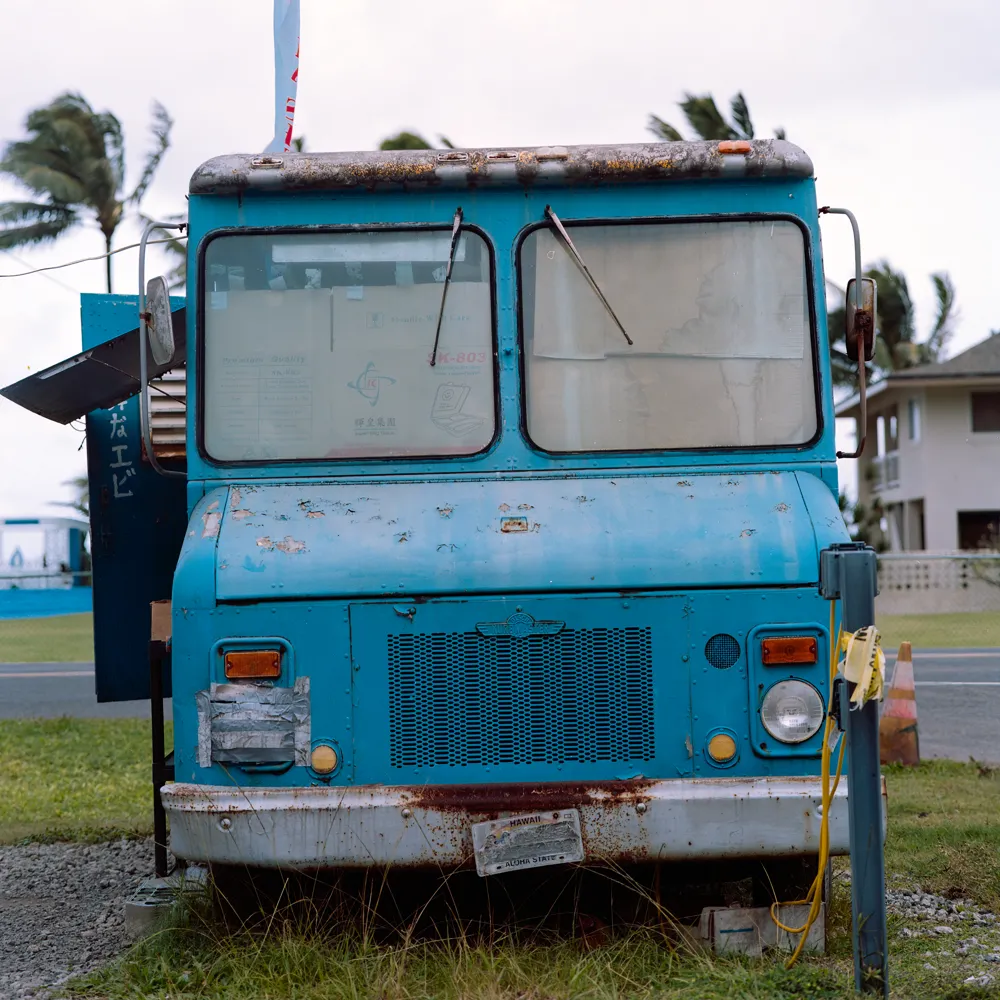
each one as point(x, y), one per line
point(934, 582)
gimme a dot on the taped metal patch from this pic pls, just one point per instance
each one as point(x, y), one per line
point(254, 724)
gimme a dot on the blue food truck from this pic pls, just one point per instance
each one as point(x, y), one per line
point(493, 538)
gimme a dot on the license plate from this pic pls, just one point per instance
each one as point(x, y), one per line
point(529, 841)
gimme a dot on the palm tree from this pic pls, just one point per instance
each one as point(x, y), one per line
point(412, 140)
point(73, 163)
point(707, 121)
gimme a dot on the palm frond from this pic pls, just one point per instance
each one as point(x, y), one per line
point(779, 133)
point(705, 118)
point(405, 140)
point(662, 130)
point(446, 142)
point(741, 115)
point(299, 144)
point(162, 124)
point(947, 315)
point(26, 222)
point(895, 314)
point(43, 170)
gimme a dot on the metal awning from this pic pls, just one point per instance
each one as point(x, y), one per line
point(94, 379)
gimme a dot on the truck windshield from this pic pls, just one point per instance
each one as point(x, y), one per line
point(719, 315)
point(317, 346)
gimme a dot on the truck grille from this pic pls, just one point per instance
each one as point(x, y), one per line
point(461, 698)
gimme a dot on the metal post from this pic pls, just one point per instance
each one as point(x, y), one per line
point(848, 572)
point(157, 654)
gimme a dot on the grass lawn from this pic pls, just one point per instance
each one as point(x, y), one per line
point(75, 779)
point(944, 835)
point(60, 639)
point(972, 628)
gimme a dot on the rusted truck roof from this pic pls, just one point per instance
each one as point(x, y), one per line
point(501, 167)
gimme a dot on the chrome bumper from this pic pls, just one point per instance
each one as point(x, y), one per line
point(376, 825)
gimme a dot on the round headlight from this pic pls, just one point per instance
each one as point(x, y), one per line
point(792, 711)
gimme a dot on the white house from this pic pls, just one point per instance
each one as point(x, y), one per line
point(933, 452)
point(38, 553)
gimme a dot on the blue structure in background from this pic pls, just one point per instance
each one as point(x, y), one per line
point(43, 567)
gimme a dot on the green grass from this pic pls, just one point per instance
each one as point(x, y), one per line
point(75, 779)
point(61, 639)
point(944, 835)
point(971, 628)
point(944, 829)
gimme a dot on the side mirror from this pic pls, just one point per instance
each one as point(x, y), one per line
point(159, 324)
point(860, 320)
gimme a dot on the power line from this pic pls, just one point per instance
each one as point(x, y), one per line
point(48, 277)
point(83, 260)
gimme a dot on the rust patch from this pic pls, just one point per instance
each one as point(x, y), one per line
point(446, 511)
point(503, 508)
point(490, 800)
point(781, 508)
point(315, 513)
point(512, 524)
point(747, 532)
point(403, 536)
point(289, 545)
point(240, 514)
point(683, 482)
point(525, 506)
point(688, 745)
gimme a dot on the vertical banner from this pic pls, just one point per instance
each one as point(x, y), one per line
point(286, 72)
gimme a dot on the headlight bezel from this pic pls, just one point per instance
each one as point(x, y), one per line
point(816, 710)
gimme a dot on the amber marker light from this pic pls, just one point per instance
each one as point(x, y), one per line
point(324, 759)
point(788, 649)
point(722, 747)
point(253, 664)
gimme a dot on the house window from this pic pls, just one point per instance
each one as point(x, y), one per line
point(913, 412)
point(978, 529)
point(986, 412)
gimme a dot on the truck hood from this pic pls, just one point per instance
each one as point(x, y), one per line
point(315, 540)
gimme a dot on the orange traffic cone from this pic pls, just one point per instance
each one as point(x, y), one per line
point(898, 726)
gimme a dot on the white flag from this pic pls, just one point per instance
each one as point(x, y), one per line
point(286, 72)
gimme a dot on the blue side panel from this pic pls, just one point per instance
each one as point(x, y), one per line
point(137, 522)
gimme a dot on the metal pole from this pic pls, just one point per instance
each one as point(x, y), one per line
point(848, 572)
point(156, 656)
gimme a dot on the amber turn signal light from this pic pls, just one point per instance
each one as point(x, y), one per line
point(255, 663)
point(789, 649)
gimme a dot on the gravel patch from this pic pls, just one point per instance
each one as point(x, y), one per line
point(62, 909)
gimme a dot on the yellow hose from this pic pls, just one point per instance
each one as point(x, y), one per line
point(814, 897)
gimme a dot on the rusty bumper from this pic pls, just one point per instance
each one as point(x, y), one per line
point(377, 825)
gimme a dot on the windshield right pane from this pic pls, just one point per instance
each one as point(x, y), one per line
point(718, 313)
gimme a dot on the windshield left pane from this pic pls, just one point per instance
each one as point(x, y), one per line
point(318, 346)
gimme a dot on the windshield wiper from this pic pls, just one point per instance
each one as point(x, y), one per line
point(568, 243)
point(455, 228)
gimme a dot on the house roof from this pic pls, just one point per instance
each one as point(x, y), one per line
point(980, 363)
point(979, 360)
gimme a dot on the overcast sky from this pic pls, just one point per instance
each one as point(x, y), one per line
point(896, 101)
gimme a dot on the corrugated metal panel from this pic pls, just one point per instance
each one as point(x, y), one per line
point(168, 413)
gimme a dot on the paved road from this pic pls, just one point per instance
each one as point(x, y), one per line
point(958, 699)
point(958, 702)
point(50, 690)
